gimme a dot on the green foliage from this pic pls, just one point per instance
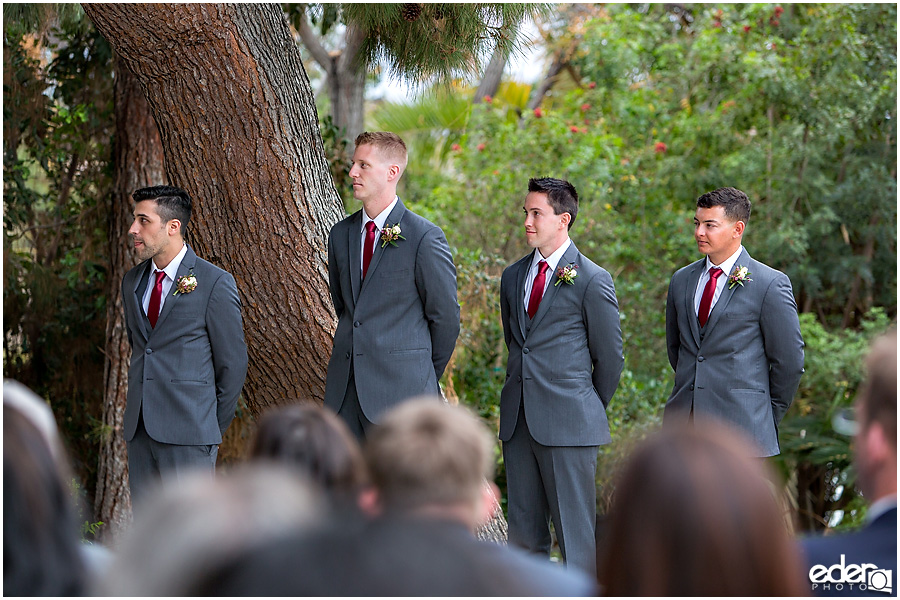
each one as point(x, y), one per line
point(426, 41)
point(57, 131)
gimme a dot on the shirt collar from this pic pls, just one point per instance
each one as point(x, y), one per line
point(881, 506)
point(554, 258)
point(381, 218)
point(728, 265)
point(172, 268)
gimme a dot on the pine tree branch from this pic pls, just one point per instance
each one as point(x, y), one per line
point(312, 43)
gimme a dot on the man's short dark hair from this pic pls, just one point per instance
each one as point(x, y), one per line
point(734, 201)
point(171, 202)
point(560, 194)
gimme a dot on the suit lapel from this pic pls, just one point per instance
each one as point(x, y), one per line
point(519, 300)
point(140, 288)
point(187, 265)
point(725, 297)
point(571, 255)
point(354, 232)
point(394, 218)
point(689, 292)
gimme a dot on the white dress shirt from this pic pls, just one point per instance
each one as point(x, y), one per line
point(380, 220)
point(171, 270)
point(727, 267)
point(551, 260)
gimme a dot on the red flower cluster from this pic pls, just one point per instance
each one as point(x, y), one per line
point(585, 107)
point(778, 11)
point(538, 113)
point(592, 85)
point(481, 147)
point(747, 28)
point(488, 99)
point(661, 147)
point(456, 147)
point(573, 129)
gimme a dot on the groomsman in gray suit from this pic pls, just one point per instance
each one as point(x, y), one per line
point(561, 325)
point(188, 355)
point(393, 284)
point(732, 330)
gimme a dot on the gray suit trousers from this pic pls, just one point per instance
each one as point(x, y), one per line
point(552, 483)
point(148, 459)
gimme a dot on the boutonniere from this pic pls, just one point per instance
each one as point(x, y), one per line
point(390, 234)
point(739, 276)
point(185, 284)
point(566, 274)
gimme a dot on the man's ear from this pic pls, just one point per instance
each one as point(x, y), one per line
point(490, 501)
point(739, 228)
point(369, 502)
point(173, 227)
point(877, 447)
point(394, 172)
point(565, 219)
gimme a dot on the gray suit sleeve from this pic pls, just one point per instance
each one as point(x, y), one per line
point(125, 311)
point(334, 278)
point(601, 317)
point(673, 336)
point(783, 342)
point(229, 350)
point(436, 284)
point(505, 280)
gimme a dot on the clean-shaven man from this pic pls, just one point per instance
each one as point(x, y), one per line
point(188, 354)
point(561, 326)
point(732, 330)
point(393, 284)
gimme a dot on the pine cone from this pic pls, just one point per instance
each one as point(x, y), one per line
point(411, 11)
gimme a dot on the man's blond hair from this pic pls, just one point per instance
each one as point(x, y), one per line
point(428, 453)
point(389, 145)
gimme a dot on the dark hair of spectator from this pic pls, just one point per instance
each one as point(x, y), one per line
point(314, 441)
point(41, 543)
point(171, 203)
point(693, 515)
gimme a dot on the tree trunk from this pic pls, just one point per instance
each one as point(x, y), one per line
point(238, 124)
point(490, 82)
point(344, 75)
point(138, 162)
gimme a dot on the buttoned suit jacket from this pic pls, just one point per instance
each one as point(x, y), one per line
point(744, 366)
point(185, 374)
point(565, 364)
point(398, 326)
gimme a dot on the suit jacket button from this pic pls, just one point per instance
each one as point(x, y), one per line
point(692, 388)
point(348, 355)
point(524, 350)
point(148, 351)
point(700, 359)
point(519, 378)
point(356, 323)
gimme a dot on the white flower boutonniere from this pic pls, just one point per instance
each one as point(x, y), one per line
point(566, 274)
point(390, 234)
point(185, 284)
point(739, 276)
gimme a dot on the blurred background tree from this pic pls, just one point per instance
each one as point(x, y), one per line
point(643, 107)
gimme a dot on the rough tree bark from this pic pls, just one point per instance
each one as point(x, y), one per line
point(238, 125)
point(138, 162)
point(345, 76)
point(490, 81)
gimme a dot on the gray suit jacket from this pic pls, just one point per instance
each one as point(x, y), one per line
point(399, 325)
point(188, 371)
point(566, 363)
point(744, 367)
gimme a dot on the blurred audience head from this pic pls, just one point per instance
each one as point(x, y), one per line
point(875, 445)
point(41, 541)
point(314, 441)
point(431, 458)
point(693, 516)
point(190, 529)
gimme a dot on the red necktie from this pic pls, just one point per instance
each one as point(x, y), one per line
point(156, 299)
point(708, 292)
point(370, 246)
point(537, 289)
